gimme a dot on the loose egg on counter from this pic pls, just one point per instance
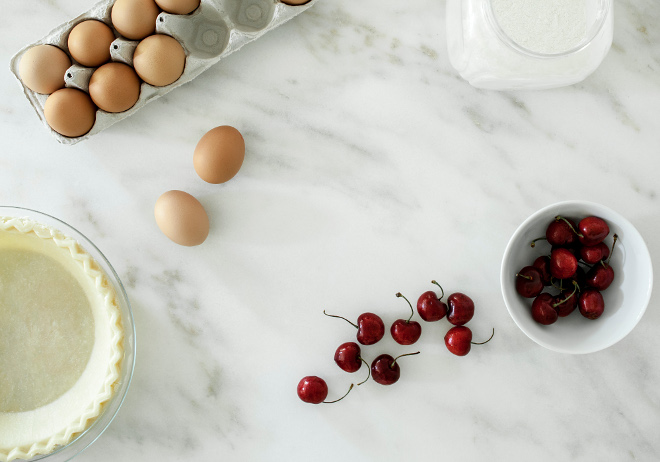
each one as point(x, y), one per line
point(70, 112)
point(219, 154)
point(135, 19)
point(178, 6)
point(114, 87)
point(89, 43)
point(181, 218)
point(42, 68)
point(159, 60)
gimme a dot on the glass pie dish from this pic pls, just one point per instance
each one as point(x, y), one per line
point(69, 350)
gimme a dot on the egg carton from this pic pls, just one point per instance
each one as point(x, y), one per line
point(216, 29)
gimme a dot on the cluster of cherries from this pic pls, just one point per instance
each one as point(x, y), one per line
point(573, 247)
point(385, 369)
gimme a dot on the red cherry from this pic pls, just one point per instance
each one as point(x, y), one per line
point(592, 230)
point(561, 232)
point(370, 327)
point(600, 276)
point(592, 254)
point(591, 304)
point(543, 265)
point(312, 389)
point(348, 358)
point(563, 263)
point(542, 310)
point(529, 282)
point(566, 302)
point(459, 340)
point(385, 370)
point(460, 309)
point(430, 307)
point(406, 332)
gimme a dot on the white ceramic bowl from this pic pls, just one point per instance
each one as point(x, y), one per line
point(625, 300)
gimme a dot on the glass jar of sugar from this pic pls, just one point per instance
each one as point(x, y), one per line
point(527, 44)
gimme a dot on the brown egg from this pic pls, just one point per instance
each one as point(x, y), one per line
point(89, 43)
point(114, 87)
point(178, 6)
point(295, 2)
point(181, 218)
point(159, 60)
point(70, 112)
point(135, 19)
point(42, 68)
point(219, 154)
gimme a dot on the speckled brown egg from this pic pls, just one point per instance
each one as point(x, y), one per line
point(114, 87)
point(42, 68)
point(70, 112)
point(178, 6)
point(89, 43)
point(159, 60)
point(181, 218)
point(219, 154)
point(135, 19)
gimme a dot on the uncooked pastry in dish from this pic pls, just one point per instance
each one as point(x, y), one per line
point(61, 347)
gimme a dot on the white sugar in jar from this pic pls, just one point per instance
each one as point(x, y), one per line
point(527, 44)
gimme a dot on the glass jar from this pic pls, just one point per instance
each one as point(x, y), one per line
point(487, 57)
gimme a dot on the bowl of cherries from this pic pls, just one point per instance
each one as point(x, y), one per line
point(576, 277)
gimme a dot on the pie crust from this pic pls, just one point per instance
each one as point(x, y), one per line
point(58, 371)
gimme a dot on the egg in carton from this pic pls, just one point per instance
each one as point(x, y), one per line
point(215, 29)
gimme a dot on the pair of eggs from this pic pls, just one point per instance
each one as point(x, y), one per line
point(218, 157)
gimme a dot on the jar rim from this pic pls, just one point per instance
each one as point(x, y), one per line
point(595, 28)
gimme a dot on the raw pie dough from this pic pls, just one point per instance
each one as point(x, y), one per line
point(61, 342)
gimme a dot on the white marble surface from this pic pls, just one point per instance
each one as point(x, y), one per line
point(371, 168)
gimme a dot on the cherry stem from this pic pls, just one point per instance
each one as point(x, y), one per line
point(349, 390)
point(533, 244)
point(401, 356)
point(441, 289)
point(368, 368)
point(412, 312)
point(529, 278)
point(558, 218)
point(616, 237)
point(575, 289)
point(341, 317)
point(481, 343)
point(552, 282)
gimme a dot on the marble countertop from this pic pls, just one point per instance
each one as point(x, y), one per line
point(371, 168)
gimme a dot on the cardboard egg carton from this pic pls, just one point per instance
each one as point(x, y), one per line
point(213, 31)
